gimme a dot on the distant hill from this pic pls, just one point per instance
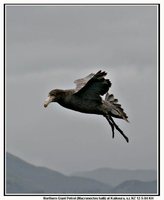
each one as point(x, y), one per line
point(23, 177)
point(115, 177)
point(135, 186)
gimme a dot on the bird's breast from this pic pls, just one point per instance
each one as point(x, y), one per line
point(83, 105)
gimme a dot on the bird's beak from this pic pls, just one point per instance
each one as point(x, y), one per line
point(48, 100)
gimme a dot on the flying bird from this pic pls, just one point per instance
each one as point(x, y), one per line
point(86, 98)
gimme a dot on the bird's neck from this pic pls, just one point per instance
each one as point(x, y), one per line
point(64, 95)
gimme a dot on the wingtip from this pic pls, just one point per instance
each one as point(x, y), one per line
point(101, 73)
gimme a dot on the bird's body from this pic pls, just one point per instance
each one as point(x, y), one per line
point(76, 103)
point(86, 98)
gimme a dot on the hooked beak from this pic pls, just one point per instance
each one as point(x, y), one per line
point(48, 100)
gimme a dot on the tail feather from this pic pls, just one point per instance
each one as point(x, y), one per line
point(117, 110)
point(109, 97)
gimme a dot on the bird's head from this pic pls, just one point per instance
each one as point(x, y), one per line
point(53, 96)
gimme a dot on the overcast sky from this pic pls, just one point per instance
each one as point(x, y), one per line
point(48, 47)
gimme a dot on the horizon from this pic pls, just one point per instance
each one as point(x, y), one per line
point(69, 174)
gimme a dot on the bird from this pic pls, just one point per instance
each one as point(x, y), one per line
point(87, 98)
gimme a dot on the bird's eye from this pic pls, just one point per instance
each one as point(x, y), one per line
point(52, 94)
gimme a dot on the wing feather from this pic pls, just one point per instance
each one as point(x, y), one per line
point(80, 83)
point(95, 86)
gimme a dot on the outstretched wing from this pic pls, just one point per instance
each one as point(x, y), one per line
point(80, 83)
point(96, 86)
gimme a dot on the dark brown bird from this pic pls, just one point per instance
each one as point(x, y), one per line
point(86, 98)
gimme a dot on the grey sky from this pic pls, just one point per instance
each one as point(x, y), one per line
point(49, 47)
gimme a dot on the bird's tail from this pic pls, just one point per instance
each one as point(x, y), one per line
point(117, 111)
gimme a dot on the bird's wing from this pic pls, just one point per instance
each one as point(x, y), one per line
point(80, 83)
point(95, 86)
